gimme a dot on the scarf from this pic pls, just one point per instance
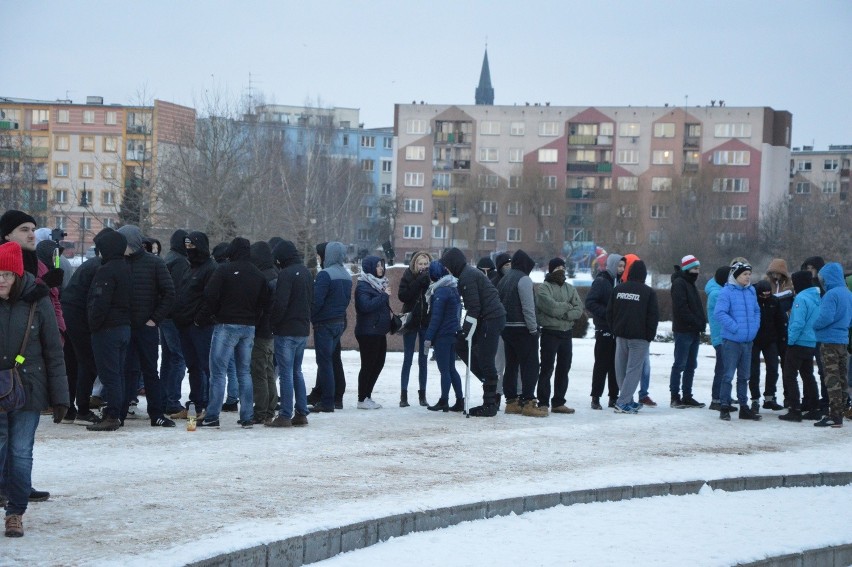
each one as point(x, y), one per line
point(379, 284)
point(447, 281)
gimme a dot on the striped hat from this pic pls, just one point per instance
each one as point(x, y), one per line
point(688, 262)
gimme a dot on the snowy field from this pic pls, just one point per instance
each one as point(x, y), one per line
point(144, 496)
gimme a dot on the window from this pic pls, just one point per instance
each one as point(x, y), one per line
point(387, 165)
point(415, 153)
point(693, 130)
point(489, 154)
point(625, 237)
point(63, 143)
point(734, 130)
point(542, 236)
point(87, 170)
point(514, 181)
point(368, 212)
point(413, 205)
point(40, 196)
point(517, 129)
point(86, 223)
point(606, 183)
point(412, 231)
point(829, 165)
point(513, 234)
point(413, 179)
point(548, 155)
point(732, 212)
point(584, 129)
point(628, 183)
point(415, 126)
point(628, 129)
point(108, 223)
point(662, 157)
point(368, 141)
point(516, 155)
point(108, 198)
point(88, 117)
point(626, 211)
point(489, 128)
point(628, 156)
point(829, 186)
point(803, 188)
point(488, 234)
point(513, 209)
point(488, 181)
point(729, 238)
point(606, 129)
point(691, 158)
point(656, 237)
point(63, 116)
point(439, 231)
point(387, 143)
point(441, 181)
point(741, 157)
point(489, 207)
point(41, 116)
point(664, 130)
point(61, 222)
point(730, 185)
point(61, 196)
point(548, 128)
point(363, 234)
point(385, 189)
point(547, 210)
point(111, 118)
point(110, 144)
point(108, 171)
point(659, 211)
point(368, 165)
point(61, 169)
point(549, 181)
point(803, 165)
point(585, 155)
point(366, 188)
point(87, 143)
point(661, 184)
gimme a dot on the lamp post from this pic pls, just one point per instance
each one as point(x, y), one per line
point(84, 202)
point(454, 218)
point(492, 223)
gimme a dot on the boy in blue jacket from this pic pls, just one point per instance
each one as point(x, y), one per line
point(801, 349)
point(831, 330)
point(444, 315)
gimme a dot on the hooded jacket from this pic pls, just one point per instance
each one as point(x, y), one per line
point(237, 292)
point(557, 306)
point(632, 311)
point(773, 321)
point(290, 313)
point(109, 294)
point(501, 260)
point(516, 293)
point(75, 296)
point(737, 311)
point(478, 294)
point(445, 305)
point(176, 258)
point(372, 307)
point(332, 287)
point(412, 293)
point(712, 289)
point(803, 315)
point(261, 257)
point(190, 305)
point(835, 308)
point(599, 294)
point(687, 309)
point(153, 290)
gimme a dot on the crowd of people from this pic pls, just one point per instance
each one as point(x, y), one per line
point(85, 343)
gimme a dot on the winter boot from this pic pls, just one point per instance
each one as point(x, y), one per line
point(314, 397)
point(440, 406)
point(812, 415)
point(747, 413)
point(830, 421)
point(755, 405)
point(485, 410)
point(498, 400)
point(771, 404)
point(725, 413)
point(677, 402)
point(596, 403)
point(715, 405)
point(14, 525)
point(107, 424)
point(513, 406)
point(531, 408)
point(403, 399)
point(458, 406)
point(791, 415)
point(690, 402)
point(422, 398)
point(612, 401)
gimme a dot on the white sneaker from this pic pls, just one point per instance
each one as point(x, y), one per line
point(368, 403)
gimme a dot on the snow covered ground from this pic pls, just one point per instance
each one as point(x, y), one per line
point(144, 495)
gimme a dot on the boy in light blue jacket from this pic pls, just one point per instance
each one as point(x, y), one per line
point(801, 349)
point(831, 330)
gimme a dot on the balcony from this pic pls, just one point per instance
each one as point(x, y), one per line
point(40, 126)
point(582, 140)
point(579, 220)
point(461, 164)
point(41, 177)
point(844, 172)
point(690, 167)
point(442, 165)
point(604, 167)
point(440, 193)
point(459, 138)
point(691, 142)
point(583, 166)
point(138, 129)
point(579, 193)
point(138, 155)
point(9, 125)
point(38, 206)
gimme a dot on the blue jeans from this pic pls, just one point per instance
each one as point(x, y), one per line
point(445, 356)
point(195, 341)
point(233, 389)
point(17, 437)
point(172, 364)
point(289, 352)
point(718, 373)
point(109, 347)
point(736, 358)
point(231, 342)
point(326, 338)
point(685, 362)
point(408, 342)
point(142, 354)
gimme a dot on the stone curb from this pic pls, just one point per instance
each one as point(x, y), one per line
point(324, 544)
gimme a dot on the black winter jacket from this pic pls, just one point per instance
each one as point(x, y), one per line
point(261, 257)
point(773, 319)
point(75, 296)
point(190, 305)
point(412, 293)
point(598, 298)
point(175, 259)
point(479, 295)
point(290, 313)
point(109, 295)
point(237, 293)
point(632, 312)
point(688, 315)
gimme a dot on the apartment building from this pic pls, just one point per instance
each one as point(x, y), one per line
point(821, 175)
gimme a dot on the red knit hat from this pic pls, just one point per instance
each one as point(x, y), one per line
point(11, 258)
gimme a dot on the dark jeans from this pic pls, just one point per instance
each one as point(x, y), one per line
point(823, 388)
point(263, 379)
point(109, 347)
point(685, 362)
point(718, 373)
point(81, 340)
point(445, 357)
point(770, 358)
point(373, 350)
point(195, 344)
point(409, 340)
point(172, 365)
point(521, 356)
point(604, 368)
point(483, 354)
point(555, 345)
point(799, 360)
point(142, 354)
point(326, 340)
point(17, 437)
point(70, 371)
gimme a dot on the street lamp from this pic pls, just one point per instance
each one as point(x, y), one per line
point(454, 218)
point(492, 223)
point(84, 202)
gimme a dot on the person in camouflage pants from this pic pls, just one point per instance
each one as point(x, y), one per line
point(832, 332)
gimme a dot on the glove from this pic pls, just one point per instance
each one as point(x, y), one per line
point(427, 344)
point(53, 278)
point(59, 411)
point(465, 330)
point(536, 334)
point(424, 280)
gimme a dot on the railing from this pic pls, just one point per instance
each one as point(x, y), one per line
point(691, 141)
point(579, 220)
point(40, 126)
point(690, 167)
point(584, 166)
point(440, 193)
point(138, 155)
point(582, 140)
point(461, 164)
point(9, 125)
point(138, 129)
point(604, 167)
point(579, 193)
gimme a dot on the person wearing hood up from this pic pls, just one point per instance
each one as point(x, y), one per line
point(778, 276)
point(444, 304)
point(597, 301)
point(712, 289)
point(688, 322)
point(772, 331)
point(290, 319)
point(832, 333)
point(262, 353)
point(220, 255)
point(153, 294)
point(520, 337)
point(172, 362)
point(372, 325)
point(237, 294)
point(488, 267)
point(739, 316)
point(502, 265)
point(800, 352)
point(813, 265)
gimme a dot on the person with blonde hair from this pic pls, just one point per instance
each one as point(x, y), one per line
point(412, 292)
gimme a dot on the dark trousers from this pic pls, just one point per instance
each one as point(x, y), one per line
point(521, 357)
point(109, 347)
point(339, 376)
point(770, 358)
point(604, 368)
point(326, 343)
point(483, 354)
point(800, 361)
point(195, 343)
point(70, 371)
point(142, 354)
point(823, 388)
point(81, 341)
point(373, 349)
point(263, 378)
point(555, 346)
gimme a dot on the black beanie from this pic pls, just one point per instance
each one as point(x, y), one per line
point(721, 275)
point(555, 263)
point(12, 219)
point(802, 280)
point(738, 268)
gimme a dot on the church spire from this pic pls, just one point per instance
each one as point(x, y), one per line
point(485, 92)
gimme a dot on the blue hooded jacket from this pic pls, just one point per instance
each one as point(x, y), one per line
point(800, 328)
point(444, 305)
point(835, 308)
point(737, 312)
point(712, 289)
point(332, 287)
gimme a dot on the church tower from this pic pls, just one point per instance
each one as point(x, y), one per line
point(485, 92)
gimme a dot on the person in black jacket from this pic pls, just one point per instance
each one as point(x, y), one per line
point(153, 296)
point(597, 301)
point(772, 331)
point(632, 314)
point(688, 322)
point(412, 292)
point(194, 321)
point(172, 362)
point(372, 324)
point(265, 390)
point(290, 319)
point(488, 267)
point(236, 294)
point(482, 305)
point(109, 322)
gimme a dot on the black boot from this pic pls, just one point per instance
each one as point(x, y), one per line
point(440, 406)
point(458, 406)
point(403, 399)
point(498, 399)
point(421, 394)
point(596, 402)
point(792, 414)
point(771, 404)
point(747, 413)
point(489, 402)
point(314, 397)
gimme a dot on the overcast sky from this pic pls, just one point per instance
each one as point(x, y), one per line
point(785, 54)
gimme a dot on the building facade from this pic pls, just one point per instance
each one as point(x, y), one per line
point(822, 175)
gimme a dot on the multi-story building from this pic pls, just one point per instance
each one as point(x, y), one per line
point(821, 174)
point(68, 164)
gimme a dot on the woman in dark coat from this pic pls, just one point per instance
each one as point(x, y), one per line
point(372, 323)
point(412, 292)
